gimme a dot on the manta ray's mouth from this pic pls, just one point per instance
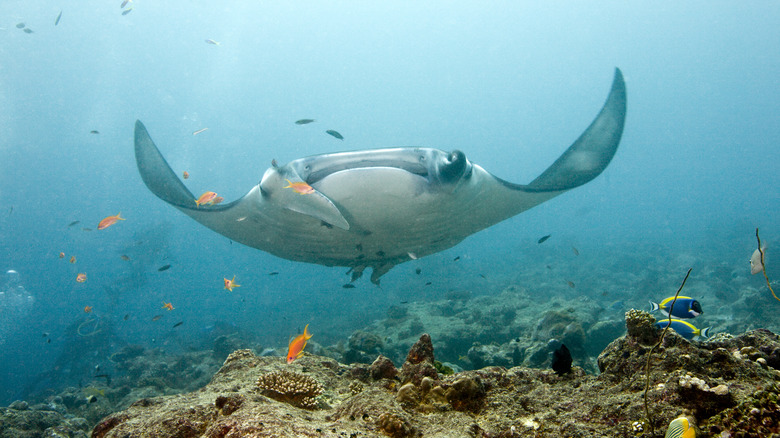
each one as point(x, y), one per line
point(313, 176)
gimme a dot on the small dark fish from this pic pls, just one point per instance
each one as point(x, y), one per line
point(571, 284)
point(575, 251)
point(483, 276)
point(20, 26)
point(45, 334)
point(163, 268)
point(124, 257)
point(94, 131)
point(124, 3)
point(212, 42)
point(127, 11)
point(428, 283)
point(86, 229)
point(74, 223)
point(335, 134)
point(404, 302)
point(273, 273)
point(27, 30)
point(561, 361)
point(348, 286)
point(126, 317)
point(306, 122)
point(11, 210)
point(418, 271)
point(57, 21)
point(178, 324)
point(456, 259)
point(156, 317)
point(105, 376)
point(48, 341)
point(543, 238)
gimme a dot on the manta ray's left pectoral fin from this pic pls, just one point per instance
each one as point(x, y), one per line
point(317, 205)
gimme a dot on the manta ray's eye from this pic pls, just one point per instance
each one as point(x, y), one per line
point(454, 167)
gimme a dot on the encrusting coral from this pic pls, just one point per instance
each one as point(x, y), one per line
point(293, 388)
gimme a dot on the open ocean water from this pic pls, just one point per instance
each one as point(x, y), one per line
point(512, 84)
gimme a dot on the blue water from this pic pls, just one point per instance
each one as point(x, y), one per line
point(512, 85)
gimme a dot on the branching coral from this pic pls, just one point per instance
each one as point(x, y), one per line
point(295, 389)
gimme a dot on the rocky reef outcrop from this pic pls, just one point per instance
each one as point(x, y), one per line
point(730, 385)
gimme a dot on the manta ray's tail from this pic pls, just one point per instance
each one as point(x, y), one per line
point(592, 152)
point(156, 172)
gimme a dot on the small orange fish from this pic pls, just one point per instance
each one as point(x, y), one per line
point(299, 187)
point(167, 306)
point(87, 309)
point(62, 255)
point(297, 344)
point(217, 200)
point(124, 257)
point(185, 175)
point(72, 259)
point(110, 220)
point(81, 277)
point(206, 198)
point(230, 284)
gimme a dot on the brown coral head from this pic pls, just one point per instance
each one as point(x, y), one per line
point(421, 350)
point(292, 388)
point(383, 368)
point(395, 426)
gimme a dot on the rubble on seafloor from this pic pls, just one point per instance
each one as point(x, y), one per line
point(730, 385)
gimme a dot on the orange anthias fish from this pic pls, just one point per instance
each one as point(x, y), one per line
point(217, 200)
point(185, 175)
point(81, 278)
point(299, 187)
point(87, 309)
point(206, 198)
point(167, 306)
point(230, 284)
point(110, 220)
point(297, 344)
point(62, 255)
point(72, 259)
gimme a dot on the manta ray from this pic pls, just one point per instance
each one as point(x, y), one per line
point(382, 207)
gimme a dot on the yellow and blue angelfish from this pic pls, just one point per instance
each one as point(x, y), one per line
point(681, 427)
point(684, 328)
point(684, 307)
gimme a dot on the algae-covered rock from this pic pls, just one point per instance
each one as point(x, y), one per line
point(419, 362)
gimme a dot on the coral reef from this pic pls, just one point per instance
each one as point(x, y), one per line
point(20, 420)
point(289, 387)
point(726, 384)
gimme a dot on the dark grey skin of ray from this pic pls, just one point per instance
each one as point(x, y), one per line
point(379, 208)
